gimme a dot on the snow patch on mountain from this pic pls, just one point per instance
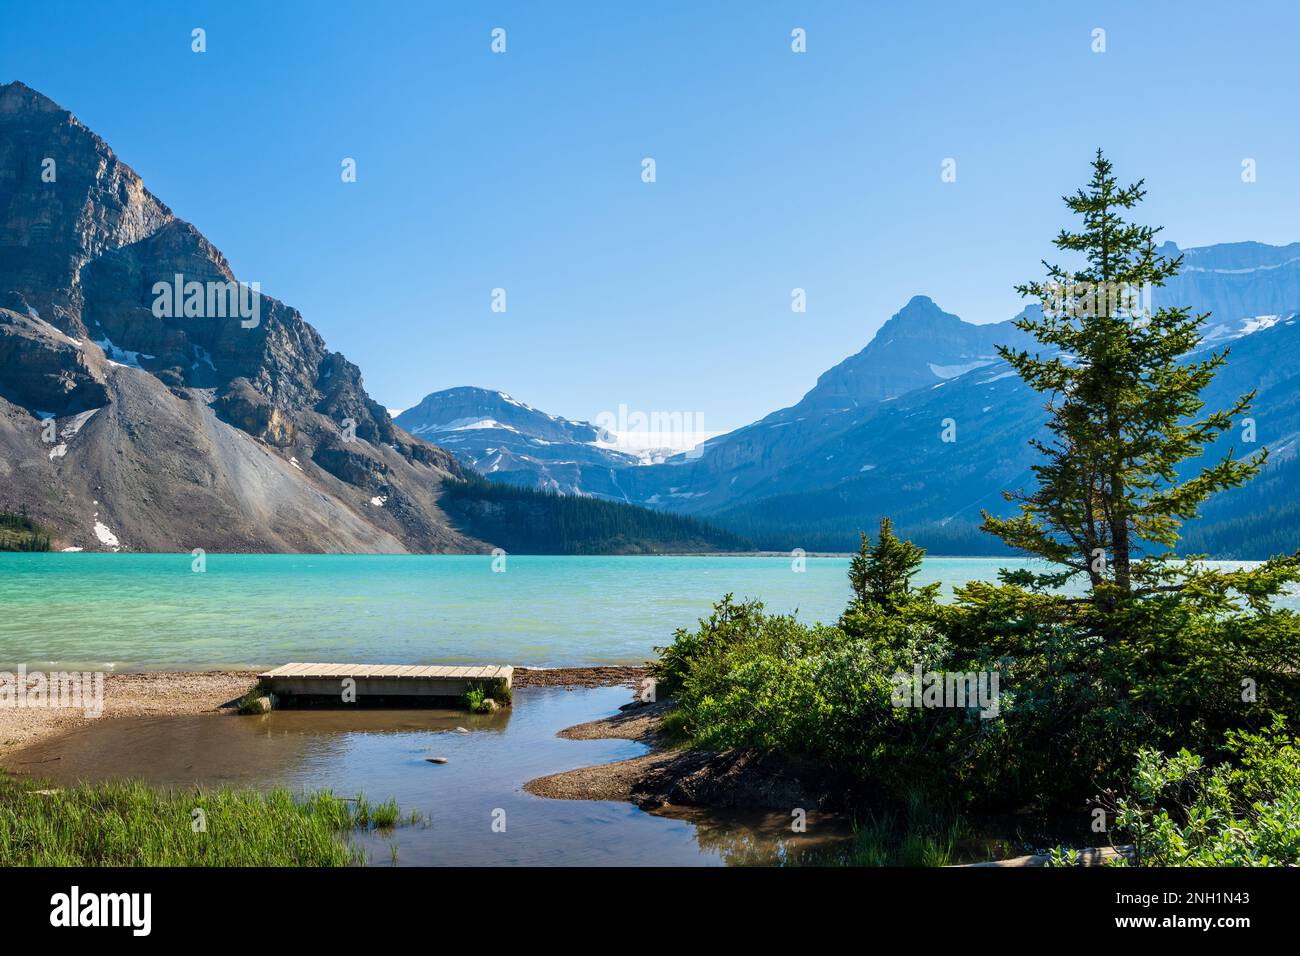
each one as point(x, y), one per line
point(122, 358)
point(952, 371)
point(998, 377)
point(79, 420)
point(1241, 272)
point(1227, 331)
point(105, 534)
point(462, 425)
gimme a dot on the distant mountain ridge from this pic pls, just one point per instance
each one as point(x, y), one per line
point(514, 443)
point(891, 458)
point(867, 438)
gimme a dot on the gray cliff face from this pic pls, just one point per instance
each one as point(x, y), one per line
point(44, 367)
point(235, 428)
point(50, 230)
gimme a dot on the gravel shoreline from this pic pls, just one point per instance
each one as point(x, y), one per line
point(176, 693)
point(606, 675)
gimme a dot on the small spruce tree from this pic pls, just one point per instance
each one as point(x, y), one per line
point(881, 573)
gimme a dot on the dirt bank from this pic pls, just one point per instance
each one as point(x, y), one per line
point(669, 776)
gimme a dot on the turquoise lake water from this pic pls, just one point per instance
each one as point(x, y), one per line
point(152, 612)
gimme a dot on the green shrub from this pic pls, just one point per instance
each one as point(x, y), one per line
point(1078, 699)
point(1179, 812)
point(250, 702)
point(1077, 706)
point(745, 678)
point(479, 695)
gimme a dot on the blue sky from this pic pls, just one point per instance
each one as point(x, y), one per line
point(775, 170)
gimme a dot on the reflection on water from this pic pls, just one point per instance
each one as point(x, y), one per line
point(489, 758)
point(765, 838)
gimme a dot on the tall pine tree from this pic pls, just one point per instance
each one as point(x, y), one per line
point(1124, 408)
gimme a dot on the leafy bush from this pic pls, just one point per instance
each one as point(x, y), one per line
point(1078, 704)
point(481, 695)
point(745, 678)
point(1178, 812)
point(1075, 704)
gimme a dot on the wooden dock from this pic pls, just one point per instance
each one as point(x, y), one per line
point(383, 680)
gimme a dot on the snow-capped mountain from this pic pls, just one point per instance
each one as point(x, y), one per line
point(866, 439)
point(891, 459)
point(511, 442)
point(919, 347)
point(1235, 280)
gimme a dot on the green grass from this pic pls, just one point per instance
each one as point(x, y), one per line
point(248, 704)
point(131, 824)
point(478, 693)
point(379, 816)
point(921, 833)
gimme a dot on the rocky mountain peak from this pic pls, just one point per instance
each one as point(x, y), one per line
point(18, 97)
point(207, 405)
point(919, 344)
point(66, 200)
point(920, 316)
